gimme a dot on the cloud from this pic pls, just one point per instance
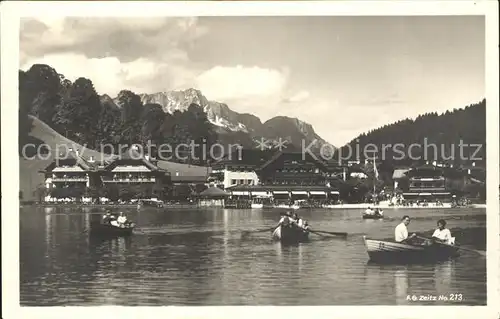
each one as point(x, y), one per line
point(143, 55)
point(125, 38)
point(229, 83)
point(298, 97)
point(110, 75)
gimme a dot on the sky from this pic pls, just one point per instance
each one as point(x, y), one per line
point(343, 75)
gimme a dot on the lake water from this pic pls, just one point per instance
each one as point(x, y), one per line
point(198, 257)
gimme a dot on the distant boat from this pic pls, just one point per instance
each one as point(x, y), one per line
point(290, 234)
point(257, 205)
point(105, 229)
point(379, 214)
point(150, 203)
point(392, 252)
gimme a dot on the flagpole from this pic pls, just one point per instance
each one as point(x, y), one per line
point(375, 173)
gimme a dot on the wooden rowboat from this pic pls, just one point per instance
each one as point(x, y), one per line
point(105, 229)
point(290, 234)
point(392, 252)
point(372, 216)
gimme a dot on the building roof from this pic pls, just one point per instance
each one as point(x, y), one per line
point(132, 153)
point(189, 178)
point(70, 157)
point(130, 168)
point(68, 169)
point(294, 155)
point(250, 157)
point(178, 169)
point(280, 187)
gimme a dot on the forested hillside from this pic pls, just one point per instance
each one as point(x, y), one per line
point(446, 131)
point(76, 111)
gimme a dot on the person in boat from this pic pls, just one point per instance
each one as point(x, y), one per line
point(379, 212)
point(300, 222)
point(122, 219)
point(291, 219)
point(401, 231)
point(442, 234)
point(108, 217)
point(369, 211)
point(305, 226)
point(285, 220)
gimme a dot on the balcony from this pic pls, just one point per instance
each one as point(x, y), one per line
point(69, 179)
point(427, 189)
point(427, 179)
point(129, 180)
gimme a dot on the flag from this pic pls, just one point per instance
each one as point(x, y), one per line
point(375, 169)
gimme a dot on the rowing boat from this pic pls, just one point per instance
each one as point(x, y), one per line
point(378, 214)
point(106, 229)
point(290, 234)
point(373, 216)
point(392, 252)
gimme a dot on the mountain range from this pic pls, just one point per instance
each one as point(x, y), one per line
point(233, 127)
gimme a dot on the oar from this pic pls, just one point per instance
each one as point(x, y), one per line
point(479, 252)
point(247, 232)
point(319, 232)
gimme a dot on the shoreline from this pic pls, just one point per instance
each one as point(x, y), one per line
point(195, 206)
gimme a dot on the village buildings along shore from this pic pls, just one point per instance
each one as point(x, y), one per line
point(249, 178)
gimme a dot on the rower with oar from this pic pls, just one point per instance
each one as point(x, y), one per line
point(285, 219)
point(442, 236)
point(322, 232)
point(297, 221)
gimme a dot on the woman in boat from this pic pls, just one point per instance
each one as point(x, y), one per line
point(369, 211)
point(442, 234)
point(108, 218)
point(306, 225)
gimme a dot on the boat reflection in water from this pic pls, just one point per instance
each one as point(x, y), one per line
point(401, 284)
point(419, 280)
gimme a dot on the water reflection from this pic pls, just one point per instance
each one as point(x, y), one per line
point(429, 279)
point(444, 277)
point(198, 257)
point(401, 284)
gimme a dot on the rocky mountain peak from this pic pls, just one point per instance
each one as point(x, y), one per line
point(228, 121)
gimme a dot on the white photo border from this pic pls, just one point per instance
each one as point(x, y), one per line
point(12, 11)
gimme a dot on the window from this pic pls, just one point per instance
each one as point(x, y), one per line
point(233, 182)
point(242, 181)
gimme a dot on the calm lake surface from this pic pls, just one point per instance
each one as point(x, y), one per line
point(198, 257)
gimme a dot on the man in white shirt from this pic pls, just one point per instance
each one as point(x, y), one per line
point(121, 219)
point(300, 223)
point(401, 232)
point(442, 234)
